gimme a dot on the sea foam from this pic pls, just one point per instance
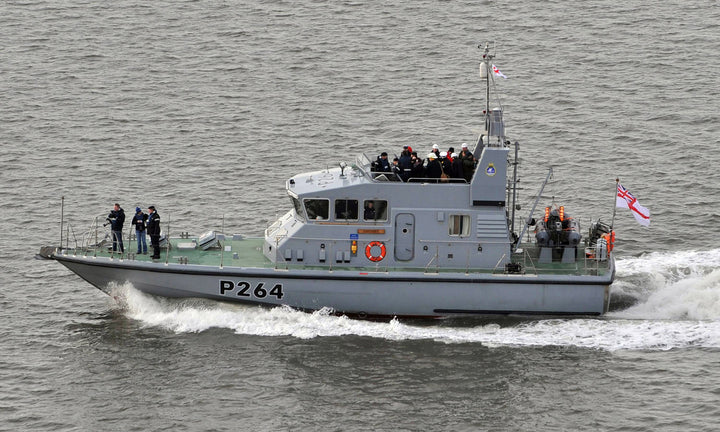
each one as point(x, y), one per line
point(678, 307)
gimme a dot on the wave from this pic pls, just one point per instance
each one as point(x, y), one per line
point(678, 307)
point(670, 285)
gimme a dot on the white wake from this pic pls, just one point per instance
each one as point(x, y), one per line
point(678, 306)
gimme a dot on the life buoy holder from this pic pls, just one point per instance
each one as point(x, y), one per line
point(369, 253)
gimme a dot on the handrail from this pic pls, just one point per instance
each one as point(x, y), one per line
point(435, 258)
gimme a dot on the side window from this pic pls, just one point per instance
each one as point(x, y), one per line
point(346, 209)
point(298, 208)
point(318, 209)
point(375, 210)
point(459, 225)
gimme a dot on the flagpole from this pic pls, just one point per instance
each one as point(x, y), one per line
point(612, 223)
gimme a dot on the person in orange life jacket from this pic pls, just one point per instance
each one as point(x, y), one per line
point(138, 222)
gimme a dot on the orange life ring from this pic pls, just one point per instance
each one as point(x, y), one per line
point(368, 251)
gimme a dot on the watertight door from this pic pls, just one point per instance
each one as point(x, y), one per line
point(404, 236)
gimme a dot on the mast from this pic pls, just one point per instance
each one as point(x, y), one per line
point(495, 126)
point(485, 74)
point(615, 195)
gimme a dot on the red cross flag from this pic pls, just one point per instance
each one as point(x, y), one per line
point(626, 200)
point(497, 72)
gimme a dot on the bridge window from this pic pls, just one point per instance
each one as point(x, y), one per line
point(459, 225)
point(346, 209)
point(298, 208)
point(317, 209)
point(375, 210)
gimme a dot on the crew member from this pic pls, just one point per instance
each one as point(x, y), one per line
point(153, 230)
point(369, 211)
point(433, 169)
point(383, 165)
point(116, 218)
point(436, 150)
point(468, 162)
point(418, 170)
point(138, 222)
point(456, 169)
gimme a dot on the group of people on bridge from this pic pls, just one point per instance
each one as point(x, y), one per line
point(442, 166)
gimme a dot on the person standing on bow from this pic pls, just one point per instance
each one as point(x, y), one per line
point(153, 230)
point(138, 222)
point(116, 218)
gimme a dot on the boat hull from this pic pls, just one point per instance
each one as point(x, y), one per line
point(358, 293)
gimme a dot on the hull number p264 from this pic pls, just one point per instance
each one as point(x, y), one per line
point(245, 289)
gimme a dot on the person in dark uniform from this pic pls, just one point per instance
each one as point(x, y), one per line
point(456, 168)
point(445, 164)
point(436, 150)
point(138, 222)
point(116, 218)
point(468, 162)
point(396, 170)
point(383, 165)
point(405, 164)
point(433, 169)
point(153, 230)
point(418, 170)
point(369, 211)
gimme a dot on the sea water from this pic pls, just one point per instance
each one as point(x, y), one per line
point(204, 109)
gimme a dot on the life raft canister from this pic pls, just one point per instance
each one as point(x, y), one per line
point(369, 253)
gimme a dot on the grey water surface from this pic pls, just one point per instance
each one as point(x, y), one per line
point(205, 108)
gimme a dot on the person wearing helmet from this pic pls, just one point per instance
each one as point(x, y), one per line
point(436, 150)
point(445, 163)
point(456, 167)
point(433, 169)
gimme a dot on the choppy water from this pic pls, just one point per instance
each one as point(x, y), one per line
point(205, 108)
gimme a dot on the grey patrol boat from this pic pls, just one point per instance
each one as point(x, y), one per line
point(455, 255)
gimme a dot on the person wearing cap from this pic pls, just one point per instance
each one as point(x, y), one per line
point(383, 165)
point(433, 169)
point(153, 230)
point(450, 153)
point(405, 162)
point(468, 162)
point(138, 222)
point(116, 218)
point(396, 170)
